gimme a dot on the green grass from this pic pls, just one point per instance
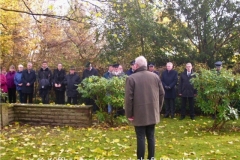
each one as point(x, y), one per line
point(175, 139)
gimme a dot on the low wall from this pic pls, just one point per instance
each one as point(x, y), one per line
point(55, 115)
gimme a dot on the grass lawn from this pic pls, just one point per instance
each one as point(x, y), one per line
point(175, 139)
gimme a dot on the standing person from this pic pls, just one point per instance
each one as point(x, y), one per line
point(90, 71)
point(28, 79)
point(45, 82)
point(169, 80)
point(10, 84)
point(58, 83)
point(143, 103)
point(131, 70)
point(110, 69)
point(186, 91)
point(18, 82)
point(4, 71)
point(3, 86)
point(151, 68)
point(218, 66)
point(71, 80)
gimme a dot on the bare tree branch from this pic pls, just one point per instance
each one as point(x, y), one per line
point(30, 11)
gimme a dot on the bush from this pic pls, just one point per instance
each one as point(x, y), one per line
point(104, 91)
point(217, 94)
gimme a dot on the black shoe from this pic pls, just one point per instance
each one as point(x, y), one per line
point(181, 118)
point(192, 118)
point(172, 117)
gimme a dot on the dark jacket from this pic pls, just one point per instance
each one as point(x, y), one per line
point(45, 74)
point(10, 79)
point(58, 78)
point(71, 80)
point(156, 72)
point(144, 96)
point(87, 73)
point(129, 72)
point(169, 79)
point(185, 87)
point(28, 77)
point(18, 80)
point(107, 75)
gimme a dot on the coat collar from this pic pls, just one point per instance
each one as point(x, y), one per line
point(142, 68)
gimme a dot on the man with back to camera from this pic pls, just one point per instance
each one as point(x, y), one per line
point(144, 97)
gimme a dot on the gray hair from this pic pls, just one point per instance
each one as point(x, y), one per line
point(141, 61)
point(20, 65)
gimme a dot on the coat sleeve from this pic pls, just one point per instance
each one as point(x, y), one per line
point(129, 93)
point(78, 80)
point(64, 75)
point(175, 80)
point(161, 95)
point(3, 80)
point(180, 85)
point(33, 79)
point(162, 79)
point(15, 80)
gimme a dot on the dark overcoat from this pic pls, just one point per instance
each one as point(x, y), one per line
point(45, 74)
point(144, 96)
point(71, 80)
point(58, 78)
point(169, 78)
point(28, 77)
point(87, 73)
point(185, 86)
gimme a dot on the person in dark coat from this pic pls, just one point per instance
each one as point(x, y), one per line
point(151, 68)
point(11, 85)
point(144, 97)
point(110, 69)
point(45, 82)
point(18, 82)
point(58, 84)
point(28, 79)
point(71, 80)
point(187, 91)
point(131, 70)
point(169, 80)
point(90, 71)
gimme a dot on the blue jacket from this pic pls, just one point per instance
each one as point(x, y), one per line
point(106, 75)
point(169, 79)
point(18, 80)
point(129, 72)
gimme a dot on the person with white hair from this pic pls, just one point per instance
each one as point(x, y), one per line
point(18, 82)
point(144, 96)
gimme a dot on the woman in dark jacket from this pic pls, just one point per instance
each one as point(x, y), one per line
point(169, 80)
point(58, 83)
point(10, 84)
point(71, 80)
point(186, 91)
point(28, 79)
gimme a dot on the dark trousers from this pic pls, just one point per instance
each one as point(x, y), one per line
point(148, 132)
point(44, 93)
point(20, 95)
point(191, 106)
point(28, 96)
point(60, 97)
point(12, 95)
point(90, 101)
point(169, 107)
point(72, 100)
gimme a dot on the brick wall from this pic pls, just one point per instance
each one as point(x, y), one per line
point(61, 115)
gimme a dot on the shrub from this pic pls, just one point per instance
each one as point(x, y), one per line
point(217, 94)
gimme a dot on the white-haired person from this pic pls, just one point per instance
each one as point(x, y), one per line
point(144, 96)
point(169, 79)
point(18, 82)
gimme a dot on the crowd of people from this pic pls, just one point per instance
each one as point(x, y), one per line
point(22, 81)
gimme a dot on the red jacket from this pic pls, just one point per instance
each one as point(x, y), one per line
point(3, 82)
